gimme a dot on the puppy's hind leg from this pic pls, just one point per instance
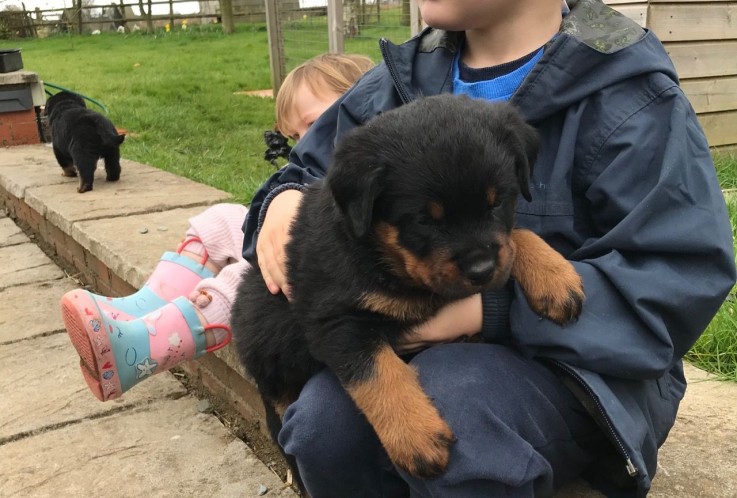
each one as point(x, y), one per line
point(112, 164)
point(66, 163)
point(86, 167)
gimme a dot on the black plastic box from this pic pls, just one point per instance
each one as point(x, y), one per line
point(10, 60)
point(15, 99)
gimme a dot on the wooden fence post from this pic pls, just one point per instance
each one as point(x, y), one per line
point(415, 21)
point(276, 46)
point(79, 16)
point(226, 14)
point(335, 27)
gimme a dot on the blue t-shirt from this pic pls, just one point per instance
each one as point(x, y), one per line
point(492, 83)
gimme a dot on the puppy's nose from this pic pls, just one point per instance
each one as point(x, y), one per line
point(479, 270)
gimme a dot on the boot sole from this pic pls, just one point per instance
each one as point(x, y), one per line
point(79, 334)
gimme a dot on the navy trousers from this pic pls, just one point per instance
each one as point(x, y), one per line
point(519, 430)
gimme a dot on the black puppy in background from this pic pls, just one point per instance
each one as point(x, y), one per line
point(80, 137)
point(417, 211)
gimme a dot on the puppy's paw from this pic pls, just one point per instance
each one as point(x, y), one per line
point(423, 450)
point(558, 295)
point(553, 288)
point(68, 171)
point(84, 188)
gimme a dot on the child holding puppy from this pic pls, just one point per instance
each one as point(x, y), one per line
point(183, 310)
point(624, 187)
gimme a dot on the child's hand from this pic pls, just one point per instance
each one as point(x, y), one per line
point(273, 239)
point(454, 321)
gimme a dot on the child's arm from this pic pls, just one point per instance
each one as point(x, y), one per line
point(456, 320)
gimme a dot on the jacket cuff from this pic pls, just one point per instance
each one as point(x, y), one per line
point(495, 307)
point(270, 197)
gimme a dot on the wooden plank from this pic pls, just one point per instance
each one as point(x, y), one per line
point(637, 13)
point(704, 59)
point(720, 128)
point(687, 22)
point(712, 95)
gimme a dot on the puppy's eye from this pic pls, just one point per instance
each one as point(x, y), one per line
point(493, 199)
point(436, 210)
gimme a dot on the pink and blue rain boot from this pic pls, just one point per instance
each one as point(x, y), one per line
point(175, 275)
point(115, 355)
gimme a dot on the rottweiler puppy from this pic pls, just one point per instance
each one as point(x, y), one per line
point(417, 211)
point(80, 137)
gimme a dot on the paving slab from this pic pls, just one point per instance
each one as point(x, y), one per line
point(165, 449)
point(43, 387)
point(699, 458)
point(26, 166)
point(29, 166)
point(10, 233)
point(133, 194)
point(33, 309)
point(26, 264)
point(132, 245)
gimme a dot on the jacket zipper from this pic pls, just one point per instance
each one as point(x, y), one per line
point(631, 469)
point(393, 72)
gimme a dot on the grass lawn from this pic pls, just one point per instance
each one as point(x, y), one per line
point(716, 349)
point(177, 95)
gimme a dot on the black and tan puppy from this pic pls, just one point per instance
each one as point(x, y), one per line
point(80, 137)
point(417, 211)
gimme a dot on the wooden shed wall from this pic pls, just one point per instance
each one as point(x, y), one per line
point(701, 38)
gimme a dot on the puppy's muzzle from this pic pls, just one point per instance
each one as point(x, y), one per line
point(478, 267)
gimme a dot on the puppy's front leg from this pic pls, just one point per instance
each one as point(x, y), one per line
point(388, 392)
point(550, 282)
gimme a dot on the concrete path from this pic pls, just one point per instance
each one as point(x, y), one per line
point(57, 440)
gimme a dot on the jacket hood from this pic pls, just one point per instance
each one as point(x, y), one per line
point(596, 47)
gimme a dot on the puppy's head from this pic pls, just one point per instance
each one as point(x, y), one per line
point(59, 102)
point(433, 186)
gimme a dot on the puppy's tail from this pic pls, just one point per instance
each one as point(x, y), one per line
point(111, 141)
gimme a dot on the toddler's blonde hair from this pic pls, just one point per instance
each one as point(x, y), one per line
point(326, 73)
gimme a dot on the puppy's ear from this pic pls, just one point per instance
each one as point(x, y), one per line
point(355, 185)
point(528, 147)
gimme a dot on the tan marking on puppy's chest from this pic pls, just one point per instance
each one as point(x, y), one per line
point(405, 309)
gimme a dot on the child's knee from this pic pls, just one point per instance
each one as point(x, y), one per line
point(323, 423)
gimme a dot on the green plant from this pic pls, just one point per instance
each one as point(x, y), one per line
point(716, 349)
point(726, 166)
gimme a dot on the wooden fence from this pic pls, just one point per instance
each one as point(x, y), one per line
point(130, 15)
point(701, 38)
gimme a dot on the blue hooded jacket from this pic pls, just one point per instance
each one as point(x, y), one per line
point(624, 187)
